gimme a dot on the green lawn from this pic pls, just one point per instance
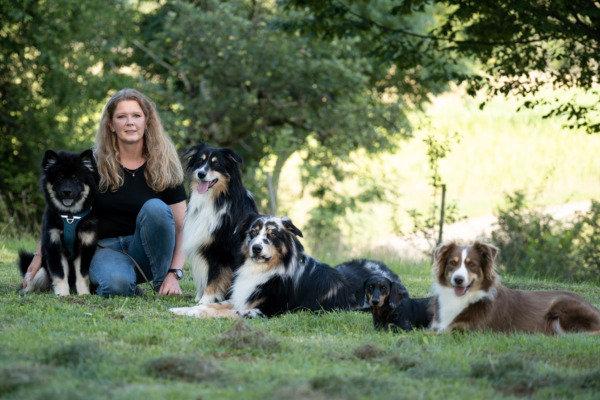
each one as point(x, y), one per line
point(133, 348)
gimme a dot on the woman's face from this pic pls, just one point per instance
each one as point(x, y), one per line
point(128, 122)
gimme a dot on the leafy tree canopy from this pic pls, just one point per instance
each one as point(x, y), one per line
point(231, 79)
point(521, 47)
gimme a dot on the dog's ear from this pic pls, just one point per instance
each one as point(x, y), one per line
point(398, 293)
point(192, 151)
point(440, 256)
point(87, 158)
point(488, 254)
point(243, 226)
point(233, 156)
point(50, 158)
point(287, 223)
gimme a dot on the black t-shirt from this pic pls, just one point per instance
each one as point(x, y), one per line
point(117, 211)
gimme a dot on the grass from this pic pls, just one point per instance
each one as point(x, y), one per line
point(133, 348)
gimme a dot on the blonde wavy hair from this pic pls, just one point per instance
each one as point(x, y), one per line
point(163, 168)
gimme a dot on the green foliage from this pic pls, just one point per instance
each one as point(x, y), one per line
point(536, 244)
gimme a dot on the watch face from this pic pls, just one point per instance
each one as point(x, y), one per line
point(178, 273)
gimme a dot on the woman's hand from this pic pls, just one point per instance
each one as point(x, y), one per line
point(170, 286)
point(33, 269)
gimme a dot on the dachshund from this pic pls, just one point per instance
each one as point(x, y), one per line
point(392, 307)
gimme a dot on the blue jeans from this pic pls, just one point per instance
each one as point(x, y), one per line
point(151, 246)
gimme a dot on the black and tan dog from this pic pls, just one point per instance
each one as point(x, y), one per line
point(218, 201)
point(392, 307)
point(70, 228)
point(277, 276)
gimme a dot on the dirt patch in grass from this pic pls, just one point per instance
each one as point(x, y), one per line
point(513, 374)
point(189, 369)
point(367, 351)
point(242, 336)
point(73, 354)
point(23, 375)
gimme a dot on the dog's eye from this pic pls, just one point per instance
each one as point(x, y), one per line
point(452, 263)
point(253, 233)
point(215, 162)
point(75, 179)
point(271, 234)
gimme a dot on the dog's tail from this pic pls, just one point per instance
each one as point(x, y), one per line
point(25, 259)
point(41, 280)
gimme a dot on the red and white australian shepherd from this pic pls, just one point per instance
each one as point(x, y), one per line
point(469, 296)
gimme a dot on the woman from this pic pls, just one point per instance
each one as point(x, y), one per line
point(141, 201)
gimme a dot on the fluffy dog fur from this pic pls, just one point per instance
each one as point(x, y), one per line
point(392, 307)
point(469, 296)
point(218, 201)
point(69, 182)
point(277, 276)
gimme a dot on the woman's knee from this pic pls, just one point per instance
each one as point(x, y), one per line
point(156, 214)
point(116, 285)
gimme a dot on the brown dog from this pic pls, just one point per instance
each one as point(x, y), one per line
point(469, 296)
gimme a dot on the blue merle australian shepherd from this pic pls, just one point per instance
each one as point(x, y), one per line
point(277, 276)
point(218, 201)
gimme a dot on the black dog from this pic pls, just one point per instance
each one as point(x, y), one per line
point(277, 276)
point(218, 202)
point(70, 229)
point(393, 308)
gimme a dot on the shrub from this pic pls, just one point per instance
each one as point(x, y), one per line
point(537, 245)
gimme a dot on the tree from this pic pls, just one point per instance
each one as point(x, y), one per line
point(230, 79)
point(520, 47)
point(58, 59)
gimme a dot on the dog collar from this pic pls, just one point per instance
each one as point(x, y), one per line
point(70, 222)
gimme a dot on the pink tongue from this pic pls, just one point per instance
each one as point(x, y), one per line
point(459, 291)
point(68, 202)
point(202, 187)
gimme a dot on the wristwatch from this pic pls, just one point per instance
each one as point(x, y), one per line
point(178, 273)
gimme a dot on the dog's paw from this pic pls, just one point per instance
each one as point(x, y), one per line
point(188, 311)
point(61, 288)
point(252, 313)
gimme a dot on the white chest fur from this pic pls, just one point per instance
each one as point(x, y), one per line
point(202, 219)
point(451, 305)
point(250, 276)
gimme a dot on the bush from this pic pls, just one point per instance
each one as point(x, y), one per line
point(537, 245)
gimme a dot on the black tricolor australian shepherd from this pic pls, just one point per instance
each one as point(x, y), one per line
point(218, 202)
point(70, 228)
point(469, 296)
point(277, 276)
point(392, 307)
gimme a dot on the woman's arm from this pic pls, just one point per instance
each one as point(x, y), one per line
point(34, 266)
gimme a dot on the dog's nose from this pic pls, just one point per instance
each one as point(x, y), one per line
point(201, 174)
point(375, 301)
point(256, 249)
point(67, 193)
point(458, 280)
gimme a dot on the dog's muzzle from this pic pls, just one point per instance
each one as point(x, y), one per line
point(256, 253)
